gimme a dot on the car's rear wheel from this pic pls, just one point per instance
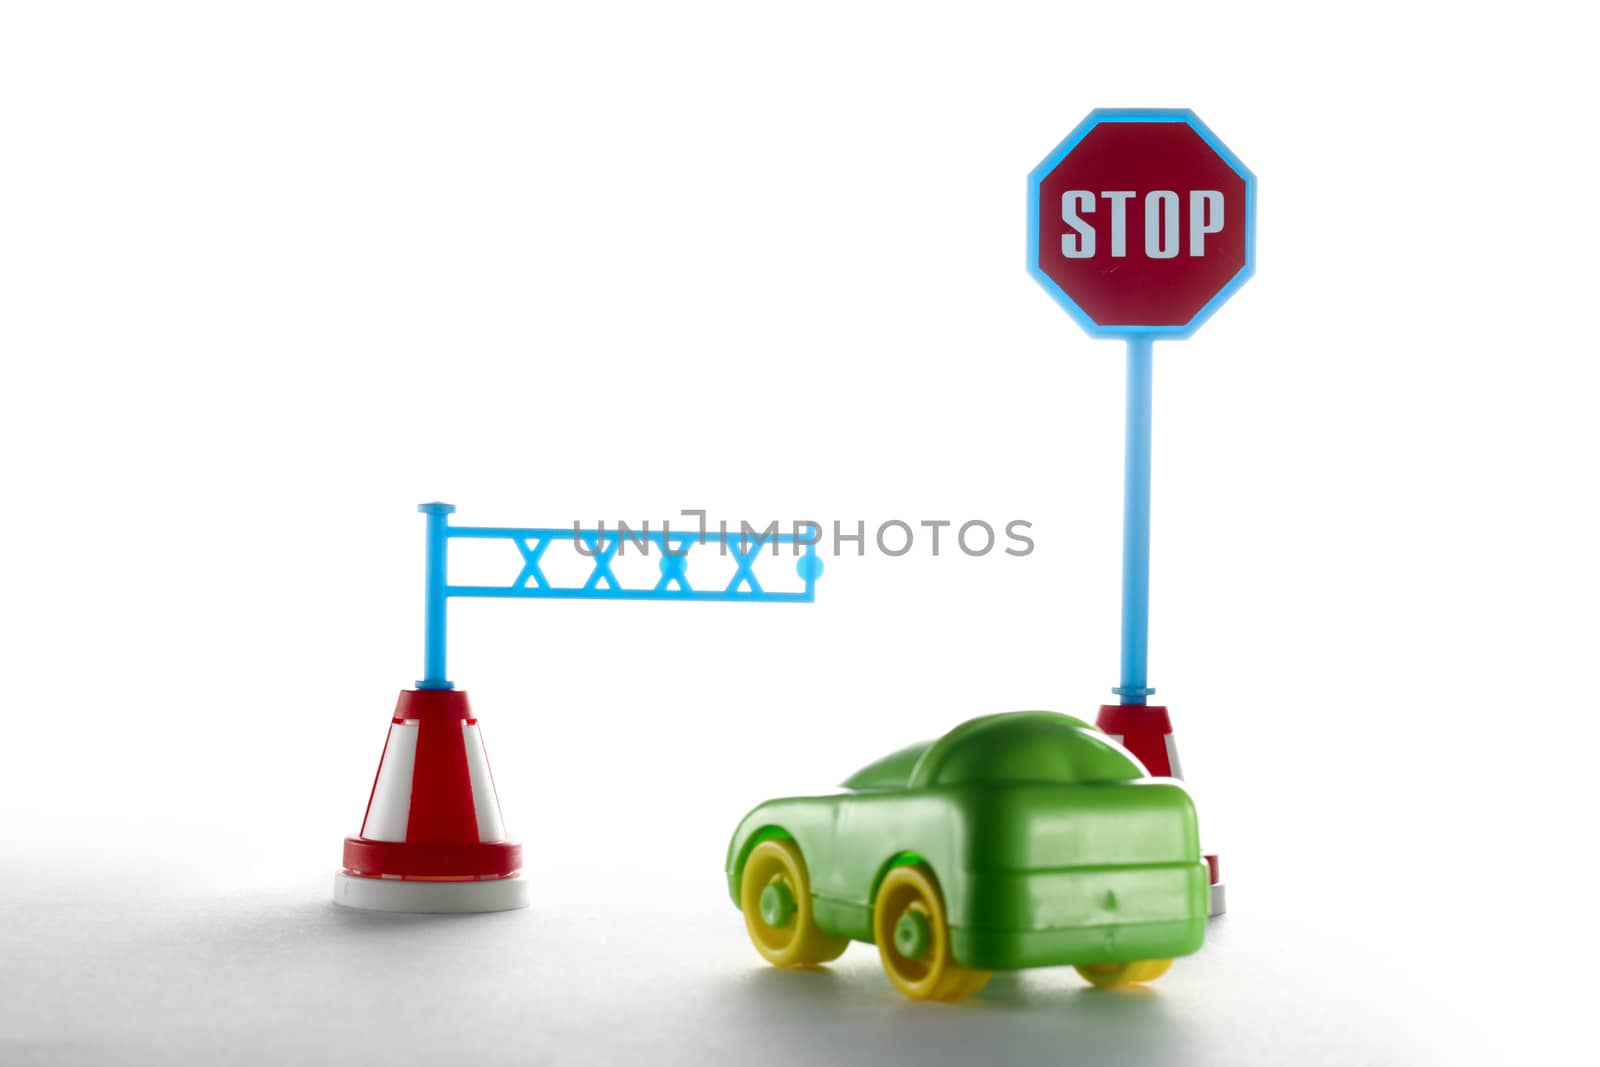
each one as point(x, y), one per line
point(775, 896)
point(912, 930)
point(1109, 975)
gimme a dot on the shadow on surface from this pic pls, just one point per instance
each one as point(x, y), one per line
point(1025, 1017)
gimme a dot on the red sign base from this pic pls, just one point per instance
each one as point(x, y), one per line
point(1146, 731)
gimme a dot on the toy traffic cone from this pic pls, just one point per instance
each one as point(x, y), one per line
point(1146, 731)
point(432, 839)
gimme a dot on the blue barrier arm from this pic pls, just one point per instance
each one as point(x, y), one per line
point(601, 547)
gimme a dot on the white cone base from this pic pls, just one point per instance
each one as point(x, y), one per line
point(1219, 899)
point(393, 894)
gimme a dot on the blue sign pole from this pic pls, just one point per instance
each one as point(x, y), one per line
point(1136, 525)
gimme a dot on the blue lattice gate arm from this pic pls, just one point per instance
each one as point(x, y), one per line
point(601, 546)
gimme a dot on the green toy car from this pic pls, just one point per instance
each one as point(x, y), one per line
point(1028, 839)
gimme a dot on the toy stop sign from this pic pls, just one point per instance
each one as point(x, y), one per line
point(1141, 222)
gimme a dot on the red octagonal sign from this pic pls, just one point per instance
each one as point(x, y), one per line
point(1141, 222)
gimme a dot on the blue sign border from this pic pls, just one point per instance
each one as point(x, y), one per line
point(1114, 114)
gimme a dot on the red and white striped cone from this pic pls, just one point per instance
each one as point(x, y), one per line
point(432, 839)
point(1146, 731)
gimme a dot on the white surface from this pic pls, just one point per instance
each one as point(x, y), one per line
point(286, 977)
point(270, 275)
point(390, 894)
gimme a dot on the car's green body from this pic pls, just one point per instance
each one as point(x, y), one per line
point(1048, 843)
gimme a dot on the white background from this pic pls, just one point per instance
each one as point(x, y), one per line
point(270, 275)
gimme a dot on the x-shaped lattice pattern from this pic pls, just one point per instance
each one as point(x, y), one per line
point(674, 550)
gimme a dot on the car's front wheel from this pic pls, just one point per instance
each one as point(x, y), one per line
point(775, 896)
point(913, 935)
point(1109, 975)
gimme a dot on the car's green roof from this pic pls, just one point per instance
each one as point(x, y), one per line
point(891, 772)
point(1017, 746)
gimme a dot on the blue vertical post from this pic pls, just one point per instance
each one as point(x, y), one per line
point(1136, 525)
point(437, 562)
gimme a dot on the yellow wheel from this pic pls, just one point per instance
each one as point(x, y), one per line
point(976, 980)
point(775, 896)
point(1108, 975)
point(913, 936)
